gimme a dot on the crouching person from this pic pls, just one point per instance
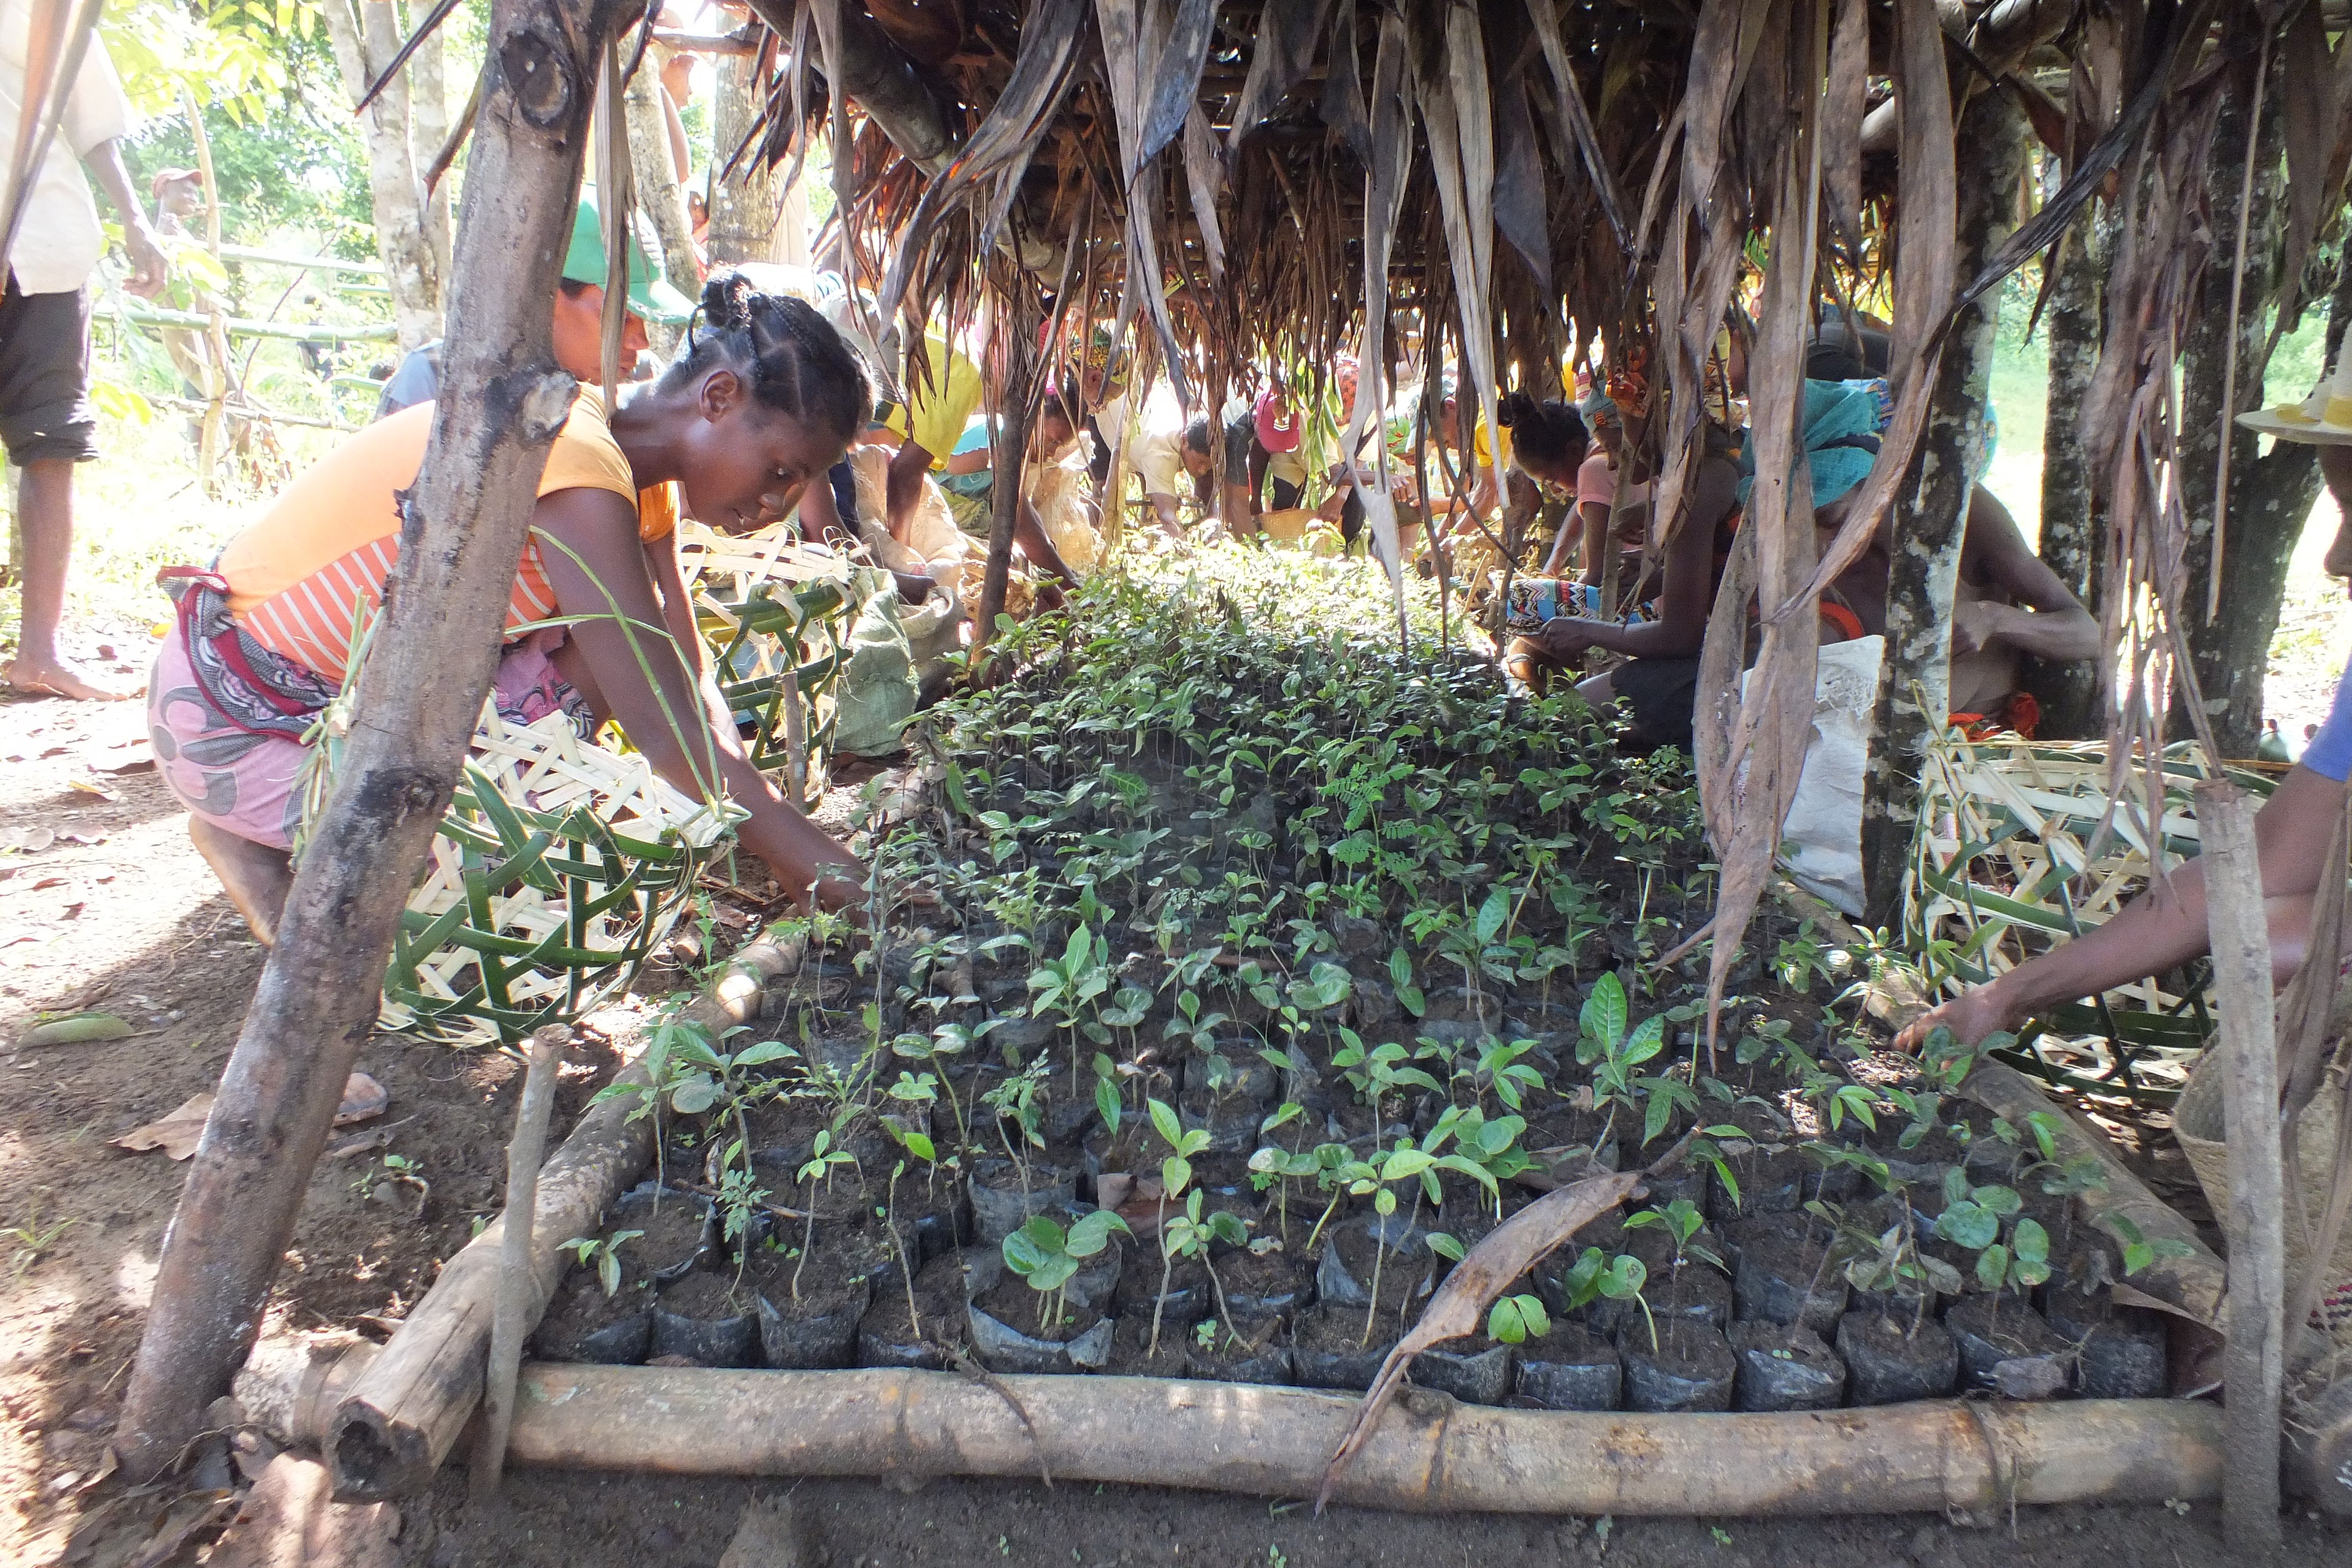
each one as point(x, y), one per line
point(763, 399)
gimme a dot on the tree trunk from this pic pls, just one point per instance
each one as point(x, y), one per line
point(2269, 498)
point(364, 43)
point(429, 132)
point(1016, 406)
point(659, 193)
point(2073, 538)
point(462, 530)
point(1931, 512)
point(744, 205)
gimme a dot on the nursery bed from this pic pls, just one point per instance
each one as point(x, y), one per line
point(1259, 969)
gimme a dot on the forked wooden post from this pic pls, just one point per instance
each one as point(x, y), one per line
point(463, 527)
point(2254, 1312)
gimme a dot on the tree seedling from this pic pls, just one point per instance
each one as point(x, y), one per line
point(604, 1254)
point(1619, 1278)
point(1515, 1319)
point(1681, 1220)
point(819, 1167)
point(1189, 1235)
point(1046, 1256)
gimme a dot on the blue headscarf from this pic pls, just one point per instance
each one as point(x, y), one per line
point(1842, 423)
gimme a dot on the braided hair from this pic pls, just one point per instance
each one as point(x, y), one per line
point(1552, 433)
point(788, 354)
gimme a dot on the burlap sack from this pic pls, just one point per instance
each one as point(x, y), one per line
point(2199, 1124)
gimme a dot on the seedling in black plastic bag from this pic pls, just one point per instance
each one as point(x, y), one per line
point(604, 1254)
point(1046, 1256)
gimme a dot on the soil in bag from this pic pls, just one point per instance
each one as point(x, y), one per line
point(584, 1324)
point(1779, 1279)
point(707, 1318)
point(1785, 1367)
point(2005, 1345)
point(1247, 1351)
point(1016, 1329)
point(1690, 1367)
point(2121, 1350)
point(1474, 1370)
point(886, 1336)
point(1571, 1368)
point(1891, 1357)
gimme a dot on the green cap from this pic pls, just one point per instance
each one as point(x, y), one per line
point(650, 297)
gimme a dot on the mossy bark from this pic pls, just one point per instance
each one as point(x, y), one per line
point(2073, 531)
point(1931, 513)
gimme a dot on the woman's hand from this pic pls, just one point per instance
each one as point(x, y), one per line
point(1564, 638)
point(1970, 1016)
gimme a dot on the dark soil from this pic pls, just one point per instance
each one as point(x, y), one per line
point(886, 1338)
point(674, 1225)
point(706, 1294)
point(1130, 1340)
point(582, 1312)
point(1690, 1367)
point(553, 1520)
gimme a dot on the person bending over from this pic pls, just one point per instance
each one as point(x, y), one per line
point(2006, 604)
point(762, 399)
point(2165, 927)
point(1596, 500)
point(1547, 443)
point(1658, 681)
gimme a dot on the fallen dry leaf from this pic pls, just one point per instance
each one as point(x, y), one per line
point(363, 1101)
point(176, 1134)
point(88, 787)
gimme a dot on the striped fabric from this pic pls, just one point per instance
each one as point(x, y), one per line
point(308, 573)
point(312, 622)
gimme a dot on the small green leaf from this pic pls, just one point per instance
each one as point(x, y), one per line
point(1601, 1019)
point(1106, 1103)
point(1164, 1118)
point(1967, 1224)
point(1992, 1266)
point(695, 1095)
point(1092, 1232)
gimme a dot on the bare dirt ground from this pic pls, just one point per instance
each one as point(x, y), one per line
point(109, 907)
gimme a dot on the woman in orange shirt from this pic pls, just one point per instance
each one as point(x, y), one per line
point(765, 397)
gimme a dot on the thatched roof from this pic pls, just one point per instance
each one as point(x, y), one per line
point(1235, 178)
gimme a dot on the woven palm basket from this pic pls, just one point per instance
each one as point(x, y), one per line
point(2198, 1125)
point(777, 614)
point(558, 868)
point(2021, 846)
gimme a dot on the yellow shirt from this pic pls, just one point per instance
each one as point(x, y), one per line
point(940, 402)
point(312, 566)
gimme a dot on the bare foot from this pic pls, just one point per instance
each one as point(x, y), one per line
point(58, 678)
point(255, 877)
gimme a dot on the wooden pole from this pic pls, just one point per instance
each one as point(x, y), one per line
point(463, 527)
point(2255, 1309)
point(1429, 1454)
point(517, 1305)
point(1016, 405)
point(404, 1412)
